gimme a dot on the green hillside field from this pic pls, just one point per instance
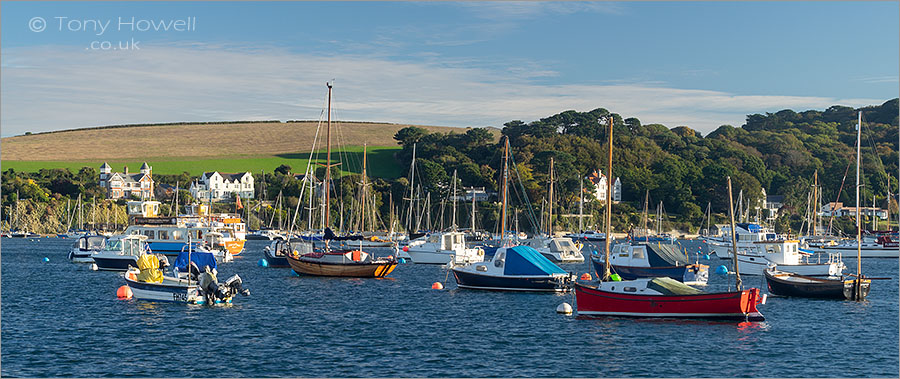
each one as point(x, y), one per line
point(381, 163)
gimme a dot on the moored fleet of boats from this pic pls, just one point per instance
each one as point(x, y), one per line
point(641, 276)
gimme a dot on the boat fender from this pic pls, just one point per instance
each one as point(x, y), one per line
point(706, 256)
point(69, 257)
point(763, 299)
point(263, 262)
point(586, 276)
point(480, 252)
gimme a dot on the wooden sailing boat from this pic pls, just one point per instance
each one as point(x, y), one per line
point(661, 297)
point(788, 284)
point(329, 262)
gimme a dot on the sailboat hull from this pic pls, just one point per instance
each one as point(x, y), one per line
point(792, 285)
point(319, 267)
point(741, 305)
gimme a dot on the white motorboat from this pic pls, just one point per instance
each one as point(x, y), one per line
point(747, 235)
point(443, 248)
point(786, 255)
point(558, 249)
point(120, 252)
point(85, 247)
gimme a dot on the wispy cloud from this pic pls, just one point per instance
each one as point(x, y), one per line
point(521, 10)
point(51, 88)
point(881, 79)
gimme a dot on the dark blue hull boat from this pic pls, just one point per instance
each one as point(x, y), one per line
point(119, 263)
point(507, 283)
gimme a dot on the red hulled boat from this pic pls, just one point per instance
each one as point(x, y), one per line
point(665, 297)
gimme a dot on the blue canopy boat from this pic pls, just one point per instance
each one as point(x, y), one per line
point(519, 268)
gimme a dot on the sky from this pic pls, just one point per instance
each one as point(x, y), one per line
point(66, 65)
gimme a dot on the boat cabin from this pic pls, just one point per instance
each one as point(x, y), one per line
point(88, 243)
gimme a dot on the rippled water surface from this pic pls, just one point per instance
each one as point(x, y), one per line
point(61, 319)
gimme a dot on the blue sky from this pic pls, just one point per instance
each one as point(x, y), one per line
point(699, 64)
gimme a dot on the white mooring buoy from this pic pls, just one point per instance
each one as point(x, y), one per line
point(564, 308)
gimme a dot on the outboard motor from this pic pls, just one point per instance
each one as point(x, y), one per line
point(163, 261)
point(233, 286)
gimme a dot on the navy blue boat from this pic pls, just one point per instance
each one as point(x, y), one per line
point(519, 268)
point(119, 252)
point(652, 260)
point(276, 254)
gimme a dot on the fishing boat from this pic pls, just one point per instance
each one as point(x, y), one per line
point(337, 262)
point(651, 260)
point(121, 251)
point(148, 283)
point(85, 247)
point(857, 288)
point(663, 296)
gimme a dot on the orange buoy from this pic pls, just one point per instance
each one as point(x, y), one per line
point(437, 286)
point(406, 248)
point(124, 292)
point(586, 276)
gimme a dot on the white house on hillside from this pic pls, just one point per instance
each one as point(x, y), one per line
point(599, 191)
point(223, 186)
point(121, 185)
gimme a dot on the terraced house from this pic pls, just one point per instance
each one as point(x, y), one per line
point(222, 186)
point(124, 184)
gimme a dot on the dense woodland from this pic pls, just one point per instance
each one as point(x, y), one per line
point(777, 152)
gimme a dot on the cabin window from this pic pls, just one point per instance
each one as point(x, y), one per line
point(163, 234)
point(176, 235)
point(148, 233)
point(630, 289)
point(637, 254)
point(770, 250)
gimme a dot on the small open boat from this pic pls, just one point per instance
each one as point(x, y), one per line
point(194, 286)
point(784, 283)
point(665, 297)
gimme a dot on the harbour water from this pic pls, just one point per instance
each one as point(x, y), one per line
point(61, 319)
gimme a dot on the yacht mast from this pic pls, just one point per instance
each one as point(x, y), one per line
point(550, 203)
point(609, 175)
point(503, 191)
